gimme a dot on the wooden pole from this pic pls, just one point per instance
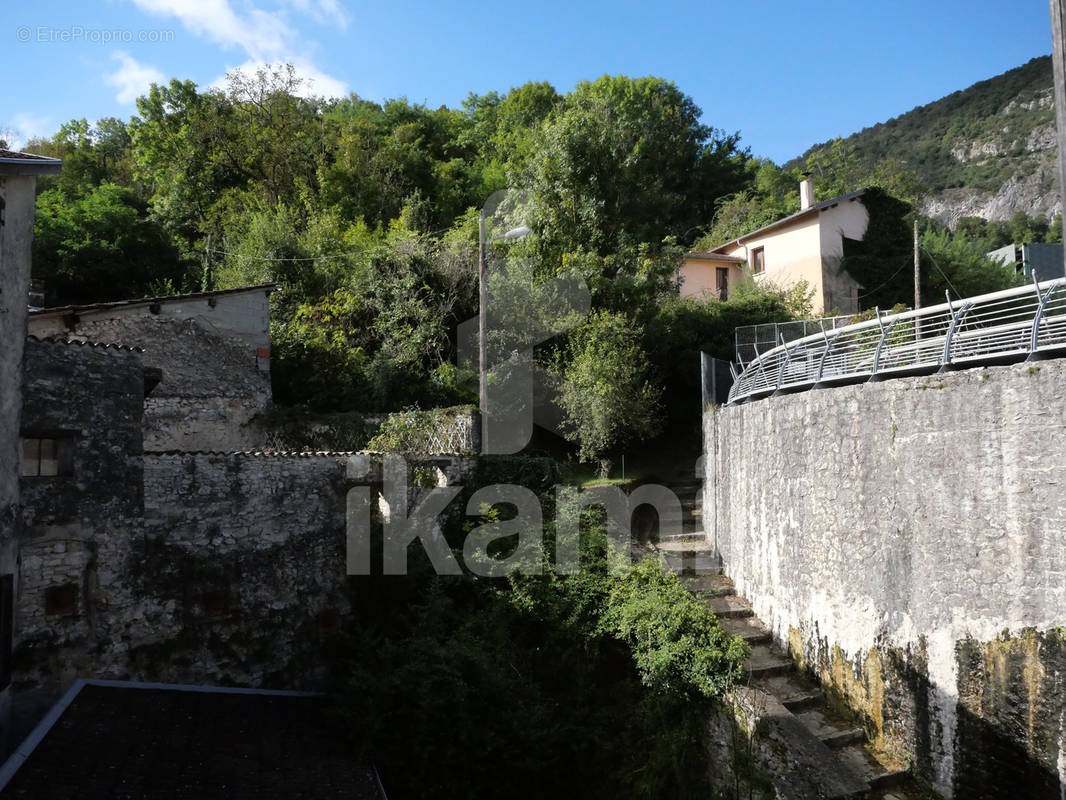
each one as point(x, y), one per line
point(1058, 62)
point(917, 266)
point(917, 277)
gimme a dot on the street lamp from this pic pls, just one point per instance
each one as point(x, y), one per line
point(511, 235)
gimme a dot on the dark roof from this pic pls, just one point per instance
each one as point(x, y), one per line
point(269, 287)
point(13, 154)
point(64, 340)
point(15, 163)
point(794, 217)
point(113, 739)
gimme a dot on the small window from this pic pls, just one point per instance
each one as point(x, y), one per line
point(61, 601)
point(722, 282)
point(758, 260)
point(47, 456)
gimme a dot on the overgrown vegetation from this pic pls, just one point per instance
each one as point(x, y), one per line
point(595, 684)
point(365, 214)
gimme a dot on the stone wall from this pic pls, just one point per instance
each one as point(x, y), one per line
point(212, 349)
point(90, 399)
point(907, 541)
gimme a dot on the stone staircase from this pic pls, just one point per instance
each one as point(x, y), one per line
point(824, 754)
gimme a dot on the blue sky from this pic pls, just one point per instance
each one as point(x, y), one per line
point(785, 74)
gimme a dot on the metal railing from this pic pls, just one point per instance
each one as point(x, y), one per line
point(1000, 327)
point(750, 340)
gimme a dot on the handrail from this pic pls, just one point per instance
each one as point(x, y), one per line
point(1012, 324)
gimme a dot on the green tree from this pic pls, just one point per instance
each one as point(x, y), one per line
point(606, 393)
point(101, 246)
point(626, 161)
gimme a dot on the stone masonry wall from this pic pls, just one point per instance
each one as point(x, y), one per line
point(907, 541)
point(214, 354)
point(235, 572)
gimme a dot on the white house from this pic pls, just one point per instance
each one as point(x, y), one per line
point(806, 246)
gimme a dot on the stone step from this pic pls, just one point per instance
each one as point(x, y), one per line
point(893, 779)
point(880, 772)
point(688, 537)
point(686, 486)
point(764, 662)
point(788, 685)
point(708, 585)
point(803, 701)
point(848, 768)
point(814, 770)
point(761, 669)
point(729, 606)
point(747, 628)
point(845, 737)
point(689, 562)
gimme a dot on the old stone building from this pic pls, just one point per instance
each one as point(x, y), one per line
point(223, 568)
point(212, 352)
point(18, 181)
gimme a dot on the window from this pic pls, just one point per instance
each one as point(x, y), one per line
point(47, 456)
point(61, 601)
point(721, 282)
point(758, 260)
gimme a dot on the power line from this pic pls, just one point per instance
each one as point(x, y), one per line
point(958, 294)
point(873, 291)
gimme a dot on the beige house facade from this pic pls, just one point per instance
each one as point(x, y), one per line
point(806, 246)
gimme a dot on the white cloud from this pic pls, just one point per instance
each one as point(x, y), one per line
point(324, 12)
point(132, 78)
point(313, 82)
point(261, 34)
point(266, 37)
point(26, 125)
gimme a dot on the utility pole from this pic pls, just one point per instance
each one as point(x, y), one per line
point(917, 278)
point(917, 267)
point(1058, 62)
point(482, 352)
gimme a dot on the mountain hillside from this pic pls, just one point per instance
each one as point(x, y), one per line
point(987, 151)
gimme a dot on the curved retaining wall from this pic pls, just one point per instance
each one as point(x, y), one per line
point(907, 541)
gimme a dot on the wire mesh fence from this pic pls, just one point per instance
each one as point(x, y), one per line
point(752, 340)
point(1013, 324)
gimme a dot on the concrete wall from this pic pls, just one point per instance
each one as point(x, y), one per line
point(905, 540)
point(16, 242)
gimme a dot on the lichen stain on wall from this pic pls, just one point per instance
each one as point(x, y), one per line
point(888, 535)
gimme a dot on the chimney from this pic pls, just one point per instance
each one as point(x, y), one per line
point(806, 195)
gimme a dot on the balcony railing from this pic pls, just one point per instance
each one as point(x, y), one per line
point(1011, 325)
